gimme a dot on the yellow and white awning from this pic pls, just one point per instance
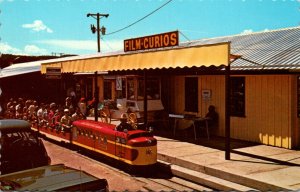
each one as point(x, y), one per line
point(197, 56)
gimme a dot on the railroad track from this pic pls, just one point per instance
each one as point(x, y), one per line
point(159, 180)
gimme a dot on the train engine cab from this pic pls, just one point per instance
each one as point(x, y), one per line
point(134, 147)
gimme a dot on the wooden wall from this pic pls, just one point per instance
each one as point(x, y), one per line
point(270, 107)
point(100, 83)
point(214, 83)
point(268, 111)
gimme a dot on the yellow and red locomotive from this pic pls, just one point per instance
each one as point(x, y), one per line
point(132, 147)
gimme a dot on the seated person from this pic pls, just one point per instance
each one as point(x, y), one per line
point(65, 120)
point(56, 118)
point(212, 115)
point(77, 115)
point(124, 125)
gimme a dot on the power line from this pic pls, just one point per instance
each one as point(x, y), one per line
point(184, 36)
point(139, 19)
point(106, 43)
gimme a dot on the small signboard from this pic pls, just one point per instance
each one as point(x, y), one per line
point(119, 83)
point(206, 94)
point(152, 42)
point(53, 73)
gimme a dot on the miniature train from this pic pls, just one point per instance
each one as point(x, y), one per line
point(134, 148)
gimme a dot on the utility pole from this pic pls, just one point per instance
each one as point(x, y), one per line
point(97, 16)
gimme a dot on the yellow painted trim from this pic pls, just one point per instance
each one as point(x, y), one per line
point(142, 156)
point(102, 152)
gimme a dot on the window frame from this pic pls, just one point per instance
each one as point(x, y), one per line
point(191, 95)
point(237, 96)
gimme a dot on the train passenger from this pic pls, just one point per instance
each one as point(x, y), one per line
point(10, 103)
point(82, 106)
point(10, 112)
point(57, 117)
point(25, 113)
point(124, 125)
point(69, 104)
point(19, 112)
point(77, 115)
point(51, 113)
point(42, 115)
point(66, 120)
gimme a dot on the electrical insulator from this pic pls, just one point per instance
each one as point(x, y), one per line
point(93, 28)
point(103, 30)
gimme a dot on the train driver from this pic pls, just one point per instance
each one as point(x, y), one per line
point(124, 125)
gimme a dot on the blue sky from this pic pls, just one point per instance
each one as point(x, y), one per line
point(43, 27)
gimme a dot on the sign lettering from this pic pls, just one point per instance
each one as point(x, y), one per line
point(53, 73)
point(152, 42)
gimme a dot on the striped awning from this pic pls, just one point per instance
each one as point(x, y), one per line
point(180, 57)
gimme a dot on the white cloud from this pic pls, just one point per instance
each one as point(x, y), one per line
point(34, 50)
point(6, 48)
point(28, 50)
point(65, 46)
point(85, 45)
point(38, 25)
point(266, 30)
point(247, 31)
point(112, 45)
point(71, 44)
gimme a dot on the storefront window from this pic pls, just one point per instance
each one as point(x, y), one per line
point(130, 88)
point(191, 94)
point(140, 88)
point(237, 96)
point(121, 91)
point(153, 88)
point(89, 89)
point(107, 90)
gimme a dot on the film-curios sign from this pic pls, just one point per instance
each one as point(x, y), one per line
point(152, 42)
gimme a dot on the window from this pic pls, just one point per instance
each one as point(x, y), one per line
point(107, 89)
point(130, 88)
point(191, 94)
point(140, 88)
point(298, 96)
point(153, 88)
point(89, 87)
point(120, 94)
point(237, 96)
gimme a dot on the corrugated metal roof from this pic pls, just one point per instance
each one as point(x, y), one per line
point(274, 50)
point(19, 69)
point(277, 49)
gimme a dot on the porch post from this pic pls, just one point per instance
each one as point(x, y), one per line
point(145, 99)
point(96, 96)
point(227, 112)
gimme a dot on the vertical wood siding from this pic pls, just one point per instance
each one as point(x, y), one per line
point(216, 84)
point(268, 111)
point(270, 102)
point(213, 83)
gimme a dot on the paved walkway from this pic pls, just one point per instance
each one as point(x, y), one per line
point(257, 166)
point(253, 165)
